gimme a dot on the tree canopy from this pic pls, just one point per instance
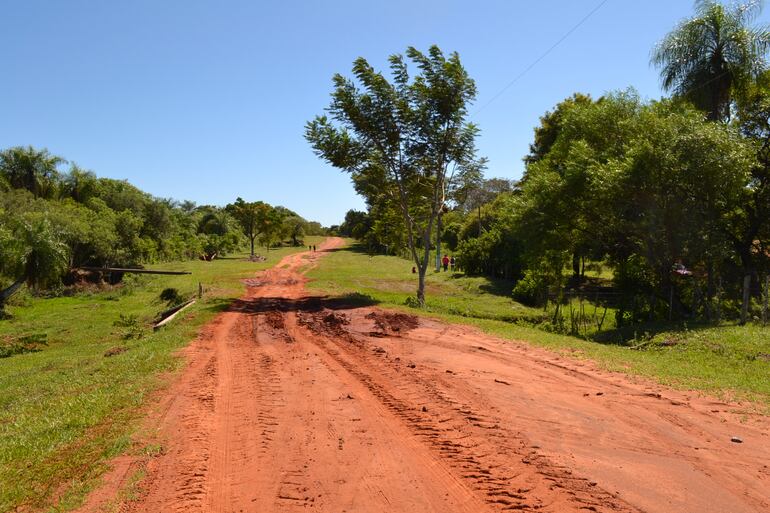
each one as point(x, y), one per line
point(714, 56)
point(406, 142)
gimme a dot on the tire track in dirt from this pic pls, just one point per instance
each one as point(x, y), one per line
point(296, 403)
point(497, 463)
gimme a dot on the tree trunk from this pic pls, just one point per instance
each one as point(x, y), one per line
point(252, 246)
point(575, 265)
point(6, 293)
point(438, 242)
point(746, 298)
point(422, 266)
point(421, 285)
point(709, 289)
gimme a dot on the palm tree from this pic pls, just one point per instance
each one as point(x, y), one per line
point(714, 56)
point(31, 169)
point(79, 184)
point(32, 253)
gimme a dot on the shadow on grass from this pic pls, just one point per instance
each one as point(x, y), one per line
point(642, 334)
point(495, 286)
point(217, 305)
point(356, 247)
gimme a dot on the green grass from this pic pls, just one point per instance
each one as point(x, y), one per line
point(728, 361)
point(390, 280)
point(67, 408)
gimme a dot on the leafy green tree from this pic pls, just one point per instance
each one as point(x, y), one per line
point(550, 127)
point(254, 218)
point(710, 58)
point(271, 227)
point(214, 221)
point(749, 220)
point(568, 199)
point(217, 232)
point(33, 253)
point(645, 185)
point(407, 139)
point(497, 251)
point(79, 184)
point(356, 224)
point(295, 228)
point(30, 169)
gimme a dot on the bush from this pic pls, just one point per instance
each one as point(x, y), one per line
point(531, 289)
point(171, 296)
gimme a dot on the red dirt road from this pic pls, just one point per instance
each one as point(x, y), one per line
point(295, 403)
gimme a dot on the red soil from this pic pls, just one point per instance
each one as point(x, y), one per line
point(291, 402)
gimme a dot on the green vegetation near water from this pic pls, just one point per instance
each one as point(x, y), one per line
point(729, 361)
point(67, 408)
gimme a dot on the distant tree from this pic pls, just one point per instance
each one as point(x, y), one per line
point(315, 228)
point(272, 227)
point(255, 218)
point(295, 227)
point(79, 184)
point(214, 221)
point(187, 206)
point(31, 169)
point(709, 58)
point(356, 224)
point(408, 139)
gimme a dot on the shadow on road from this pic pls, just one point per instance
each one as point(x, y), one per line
point(307, 304)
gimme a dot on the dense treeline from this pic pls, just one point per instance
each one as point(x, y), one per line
point(672, 195)
point(53, 221)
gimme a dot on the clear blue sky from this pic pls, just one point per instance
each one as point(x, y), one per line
point(206, 100)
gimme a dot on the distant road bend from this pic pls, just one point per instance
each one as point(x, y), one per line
point(297, 403)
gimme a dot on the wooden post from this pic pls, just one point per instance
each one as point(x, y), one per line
point(200, 290)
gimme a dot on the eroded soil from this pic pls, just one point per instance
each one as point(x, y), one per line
point(297, 403)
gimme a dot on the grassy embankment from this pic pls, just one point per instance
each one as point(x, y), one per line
point(67, 408)
point(729, 361)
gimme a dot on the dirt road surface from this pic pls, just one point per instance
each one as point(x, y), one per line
point(296, 403)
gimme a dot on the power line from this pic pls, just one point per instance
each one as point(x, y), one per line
point(543, 56)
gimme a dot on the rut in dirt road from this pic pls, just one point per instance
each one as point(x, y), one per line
point(296, 403)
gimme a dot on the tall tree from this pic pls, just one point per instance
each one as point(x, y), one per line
point(254, 218)
point(31, 169)
point(409, 139)
point(79, 184)
point(713, 56)
point(749, 221)
point(294, 227)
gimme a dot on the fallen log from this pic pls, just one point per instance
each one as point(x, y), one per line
point(137, 271)
point(168, 315)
